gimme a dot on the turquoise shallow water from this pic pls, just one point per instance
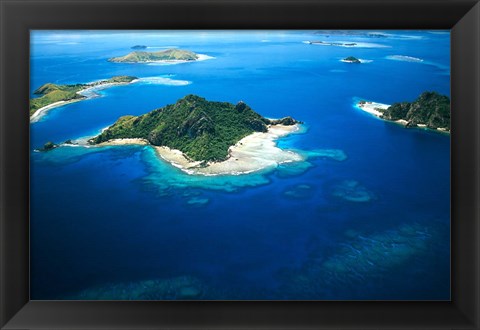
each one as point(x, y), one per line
point(368, 220)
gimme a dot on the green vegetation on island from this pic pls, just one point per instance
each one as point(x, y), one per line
point(52, 93)
point(351, 59)
point(430, 109)
point(203, 130)
point(172, 54)
point(136, 47)
point(48, 146)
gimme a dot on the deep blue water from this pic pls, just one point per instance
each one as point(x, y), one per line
point(109, 222)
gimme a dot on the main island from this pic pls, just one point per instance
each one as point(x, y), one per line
point(206, 137)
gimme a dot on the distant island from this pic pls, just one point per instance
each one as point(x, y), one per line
point(137, 47)
point(53, 95)
point(206, 137)
point(430, 110)
point(168, 55)
point(351, 59)
point(324, 43)
point(355, 33)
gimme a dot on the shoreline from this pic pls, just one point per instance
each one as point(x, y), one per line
point(372, 108)
point(255, 152)
point(89, 94)
point(37, 115)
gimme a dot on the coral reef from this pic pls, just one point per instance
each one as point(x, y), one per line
point(352, 191)
point(178, 288)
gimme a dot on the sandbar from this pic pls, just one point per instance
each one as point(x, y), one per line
point(377, 109)
point(373, 108)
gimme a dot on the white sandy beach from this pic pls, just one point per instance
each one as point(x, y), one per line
point(254, 152)
point(37, 115)
point(373, 108)
point(404, 122)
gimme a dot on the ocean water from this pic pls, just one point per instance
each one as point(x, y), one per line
point(365, 217)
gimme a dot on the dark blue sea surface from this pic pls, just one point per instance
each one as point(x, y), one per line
point(372, 222)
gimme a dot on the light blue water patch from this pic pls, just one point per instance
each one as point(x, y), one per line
point(443, 68)
point(352, 191)
point(164, 80)
point(167, 178)
point(404, 58)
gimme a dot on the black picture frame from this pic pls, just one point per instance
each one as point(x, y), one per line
point(17, 17)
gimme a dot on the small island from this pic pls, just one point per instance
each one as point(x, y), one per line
point(351, 59)
point(48, 146)
point(53, 95)
point(353, 33)
point(138, 47)
point(206, 137)
point(168, 55)
point(340, 44)
point(430, 110)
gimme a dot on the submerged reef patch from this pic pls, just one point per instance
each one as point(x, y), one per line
point(292, 169)
point(352, 191)
point(178, 288)
point(198, 201)
point(300, 191)
point(362, 260)
point(334, 154)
